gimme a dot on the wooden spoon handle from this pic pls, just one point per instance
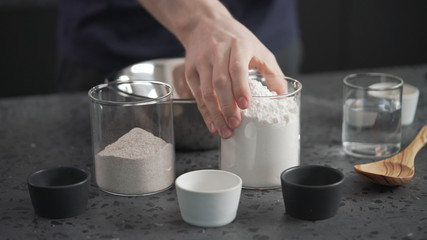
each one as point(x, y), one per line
point(419, 141)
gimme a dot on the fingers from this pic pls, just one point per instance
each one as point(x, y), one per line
point(200, 82)
point(224, 91)
point(211, 100)
point(269, 67)
point(238, 68)
point(218, 80)
point(179, 82)
point(221, 88)
point(193, 81)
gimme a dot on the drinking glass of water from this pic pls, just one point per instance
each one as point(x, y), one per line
point(372, 114)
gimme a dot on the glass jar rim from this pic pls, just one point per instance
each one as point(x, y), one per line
point(139, 100)
point(287, 94)
point(399, 80)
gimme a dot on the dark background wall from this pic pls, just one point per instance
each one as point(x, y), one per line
point(337, 35)
point(27, 49)
point(354, 34)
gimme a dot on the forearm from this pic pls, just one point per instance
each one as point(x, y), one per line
point(182, 16)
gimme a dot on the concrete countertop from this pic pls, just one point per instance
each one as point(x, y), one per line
point(51, 130)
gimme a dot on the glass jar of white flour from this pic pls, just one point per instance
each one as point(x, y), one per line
point(268, 140)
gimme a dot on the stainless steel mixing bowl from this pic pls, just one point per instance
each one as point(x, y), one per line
point(190, 130)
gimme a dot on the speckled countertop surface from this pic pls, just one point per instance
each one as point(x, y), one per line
point(51, 130)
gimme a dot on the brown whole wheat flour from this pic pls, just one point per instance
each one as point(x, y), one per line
point(137, 163)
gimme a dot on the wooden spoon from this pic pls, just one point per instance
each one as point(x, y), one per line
point(397, 169)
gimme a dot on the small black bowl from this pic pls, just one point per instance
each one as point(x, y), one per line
point(59, 192)
point(312, 192)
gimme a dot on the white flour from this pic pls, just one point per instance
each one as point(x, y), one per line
point(137, 163)
point(267, 141)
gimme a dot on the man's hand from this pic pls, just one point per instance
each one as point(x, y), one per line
point(219, 53)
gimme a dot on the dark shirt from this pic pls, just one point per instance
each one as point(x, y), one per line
point(108, 35)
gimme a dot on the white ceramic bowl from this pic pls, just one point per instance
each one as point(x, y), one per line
point(357, 118)
point(208, 198)
point(409, 103)
point(410, 96)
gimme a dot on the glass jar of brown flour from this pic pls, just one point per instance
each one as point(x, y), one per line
point(132, 137)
